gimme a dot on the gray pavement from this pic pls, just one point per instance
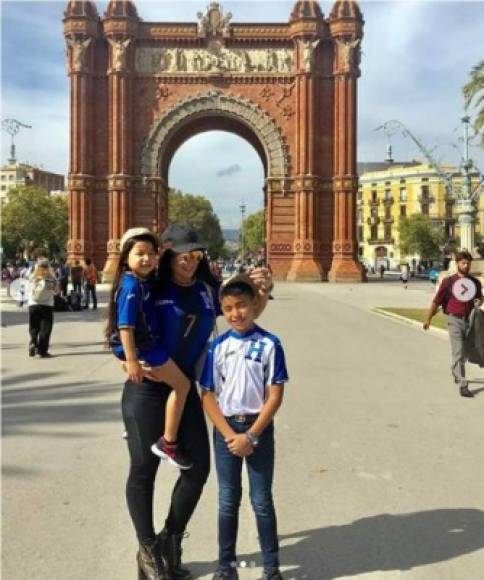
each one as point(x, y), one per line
point(379, 463)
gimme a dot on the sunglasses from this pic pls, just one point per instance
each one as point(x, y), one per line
point(195, 256)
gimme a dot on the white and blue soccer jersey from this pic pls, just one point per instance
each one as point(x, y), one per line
point(240, 367)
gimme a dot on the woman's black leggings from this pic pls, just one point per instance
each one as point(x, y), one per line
point(143, 407)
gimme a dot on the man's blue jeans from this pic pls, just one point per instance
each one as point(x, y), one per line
point(260, 469)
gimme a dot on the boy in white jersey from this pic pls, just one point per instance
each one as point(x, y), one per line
point(242, 389)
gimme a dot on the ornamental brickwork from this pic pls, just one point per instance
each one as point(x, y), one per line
point(139, 90)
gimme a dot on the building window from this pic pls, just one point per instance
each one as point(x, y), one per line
point(4, 177)
point(425, 208)
point(10, 177)
point(425, 179)
point(402, 181)
point(388, 212)
point(374, 232)
point(388, 194)
point(448, 210)
point(374, 212)
point(374, 196)
point(403, 194)
point(360, 233)
point(360, 195)
point(388, 231)
point(4, 187)
point(403, 211)
point(425, 192)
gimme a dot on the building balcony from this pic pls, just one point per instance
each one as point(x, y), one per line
point(373, 221)
point(388, 201)
point(380, 241)
point(426, 199)
point(374, 202)
point(389, 220)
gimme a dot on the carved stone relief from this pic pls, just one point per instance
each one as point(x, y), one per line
point(214, 59)
point(215, 102)
point(119, 49)
point(79, 53)
point(214, 22)
point(347, 51)
point(308, 48)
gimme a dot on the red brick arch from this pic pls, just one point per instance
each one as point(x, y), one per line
point(209, 111)
point(139, 90)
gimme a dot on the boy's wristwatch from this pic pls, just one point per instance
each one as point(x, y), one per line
point(253, 439)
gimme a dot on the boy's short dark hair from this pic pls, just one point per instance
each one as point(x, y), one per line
point(237, 288)
point(463, 255)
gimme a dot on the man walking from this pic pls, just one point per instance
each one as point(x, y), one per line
point(457, 295)
point(90, 280)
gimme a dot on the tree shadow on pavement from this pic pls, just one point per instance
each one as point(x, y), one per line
point(378, 543)
point(27, 408)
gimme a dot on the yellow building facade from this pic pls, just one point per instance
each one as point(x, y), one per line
point(395, 191)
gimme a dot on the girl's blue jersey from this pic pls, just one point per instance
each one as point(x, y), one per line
point(135, 309)
point(184, 320)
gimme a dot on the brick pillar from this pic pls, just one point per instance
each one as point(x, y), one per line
point(120, 178)
point(306, 264)
point(80, 179)
point(345, 266)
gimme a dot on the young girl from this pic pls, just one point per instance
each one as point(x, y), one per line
point(42, 288)
point(133, 340)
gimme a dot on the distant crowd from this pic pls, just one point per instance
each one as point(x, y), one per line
point(76, 284)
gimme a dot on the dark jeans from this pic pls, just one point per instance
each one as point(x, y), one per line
point(41, 320)
point(260, 469)
point(90, 290)
point(77, 286)
point(63, 286)
point(143, 407)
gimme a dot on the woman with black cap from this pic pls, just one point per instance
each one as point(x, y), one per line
point(186, 309)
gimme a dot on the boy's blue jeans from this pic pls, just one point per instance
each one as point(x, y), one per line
point(260, 469)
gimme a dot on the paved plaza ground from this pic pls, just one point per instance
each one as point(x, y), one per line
point(379, 461)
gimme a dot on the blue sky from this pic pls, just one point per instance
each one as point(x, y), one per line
point(416, 57)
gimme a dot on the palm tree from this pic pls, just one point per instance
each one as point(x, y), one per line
point(474, 91)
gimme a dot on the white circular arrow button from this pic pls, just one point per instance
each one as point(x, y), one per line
point(464, 290)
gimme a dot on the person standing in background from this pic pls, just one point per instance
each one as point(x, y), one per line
point(43, 287)
point(77, 274)
point(90, 281)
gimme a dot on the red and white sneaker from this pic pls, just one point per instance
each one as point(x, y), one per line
point(171, 453)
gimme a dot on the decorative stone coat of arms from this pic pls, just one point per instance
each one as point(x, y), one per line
point(214, 22)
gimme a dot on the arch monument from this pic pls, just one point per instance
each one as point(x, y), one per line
point(140, 89)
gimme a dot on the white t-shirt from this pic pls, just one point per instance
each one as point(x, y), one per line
point(239, 367)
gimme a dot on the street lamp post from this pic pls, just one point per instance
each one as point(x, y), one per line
point(243, 207)
point(12, 127)
point(464, 197)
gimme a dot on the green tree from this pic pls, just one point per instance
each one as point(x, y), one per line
point(253, 230)
point(33, 219)
point(197, 211)
point(419, 236)
point(474, 92)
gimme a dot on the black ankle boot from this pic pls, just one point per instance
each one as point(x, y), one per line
point(150, 562)
point(170, 545)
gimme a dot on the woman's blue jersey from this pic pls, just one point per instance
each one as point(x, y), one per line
point(185, 317)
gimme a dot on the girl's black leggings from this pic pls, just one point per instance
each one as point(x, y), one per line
point(143, 407)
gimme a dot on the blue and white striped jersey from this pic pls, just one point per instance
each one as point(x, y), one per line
point(239, 368)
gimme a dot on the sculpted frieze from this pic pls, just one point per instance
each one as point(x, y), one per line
point(216, 59)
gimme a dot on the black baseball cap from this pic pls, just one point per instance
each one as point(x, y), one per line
point(181, 238)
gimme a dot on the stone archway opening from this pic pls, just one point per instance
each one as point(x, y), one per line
point(225, 169)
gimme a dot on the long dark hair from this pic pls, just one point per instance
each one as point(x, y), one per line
point(202, 273)
point(120, 270)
